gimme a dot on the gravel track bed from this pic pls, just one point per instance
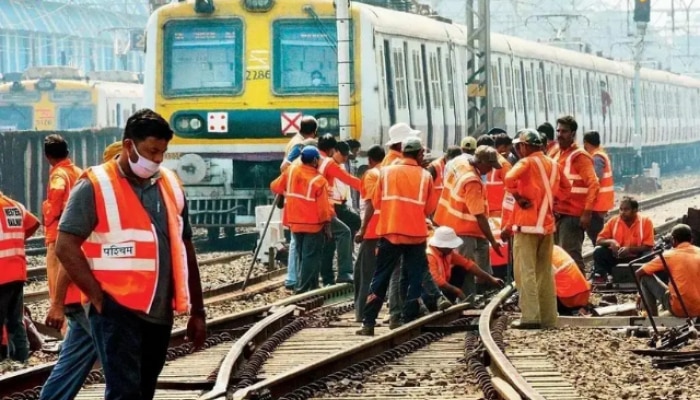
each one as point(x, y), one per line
point(598, 363)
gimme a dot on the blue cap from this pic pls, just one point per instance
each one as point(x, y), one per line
point(309, 153)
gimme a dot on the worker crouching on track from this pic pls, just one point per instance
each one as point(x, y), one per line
point(449, 268)
point(534, 182)
point(125, 241)
point(16, 225)
point(404, 197)
point(573, 290)
point(684, 266)
point(307, 214)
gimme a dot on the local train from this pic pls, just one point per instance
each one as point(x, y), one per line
point(234, 81)
point(63, 98)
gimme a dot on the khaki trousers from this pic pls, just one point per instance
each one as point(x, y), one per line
point(52, 266)
point(534, 277)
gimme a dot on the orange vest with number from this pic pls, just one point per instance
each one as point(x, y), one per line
point(573, 290)
point(123, 248)
point(606, 194)
point(574, 204)
point(13, 264)
point(451, 210)
point(404, 194)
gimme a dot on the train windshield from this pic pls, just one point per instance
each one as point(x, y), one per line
point(70, 117)
point(16, 118)
point(305, 57)
point(203, 57)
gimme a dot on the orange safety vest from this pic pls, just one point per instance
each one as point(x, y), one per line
point(69, 173)
point(537, 186)
point(496, 260)
point(451, 210)
point(495, 188)
point(439, 166)
point(371, 232)
point(605, 200)
point(404, 195)
point(301, 206)
point(573, 290)
point(123, 248)
point(621, 239)
point(13, 264)
point(575, 203)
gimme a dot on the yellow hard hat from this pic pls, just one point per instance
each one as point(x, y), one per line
point(468, 143)
point(112, 151)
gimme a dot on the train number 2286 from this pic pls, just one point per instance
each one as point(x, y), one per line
point(254, 75)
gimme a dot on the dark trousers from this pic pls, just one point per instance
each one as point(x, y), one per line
point(597, 223)
point(309, 253)
point(132, 351)
point(569, 236)
point(349, 217)
point(416, 264)
point(341, 241)
point(12, 314)
point(365, 266)
point(431, 292)
point(459, 275)
point(604, 260)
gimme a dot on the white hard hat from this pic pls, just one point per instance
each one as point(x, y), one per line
point(445, 238)
point(400, 132)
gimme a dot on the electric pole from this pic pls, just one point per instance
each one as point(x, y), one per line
point(642, 11)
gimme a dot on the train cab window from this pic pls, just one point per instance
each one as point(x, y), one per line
point(399, 68)
point(518, 89)
point(435, 81)
point(203, 57)
point(16, 118)
point(540, 90)
point(73, 117)
point(508, 79)
point(418, 87)
point(304, 57)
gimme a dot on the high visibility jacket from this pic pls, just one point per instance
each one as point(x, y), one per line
point(14, 221)
point(536, 178)
point(369, 185)
point(684, 264)
point(306, 207)
point(496, 260)
point(62, 177)
point(640, 233)
point(123, 248)
point(453, 207)
point(605, 200)
point(405, 197)
point(333, 172)
point(440, 266)
point(573, 290)
point(495, 189)
point(439, 167)
point(578, 169)
point(392, 157)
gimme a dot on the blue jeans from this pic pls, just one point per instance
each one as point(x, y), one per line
point(291, 280)
point(12, 315)
point(132, 351)
point(75, 361)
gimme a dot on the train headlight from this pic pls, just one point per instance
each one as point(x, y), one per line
point(323, 122)
point(188, 123)
point(258, 5)
point(333, 122)
point(195, 124)
point(182, 124)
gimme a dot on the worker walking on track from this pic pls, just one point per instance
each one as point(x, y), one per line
point(78, 354)
point(307, 214)
point(16, 225)
point(605, 200)
point(534, 183)
point(62, 177)
point(404, 197)
point(574, 214)
point(125, 241)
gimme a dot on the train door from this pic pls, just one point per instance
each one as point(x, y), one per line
point(458, 55)
point(448, 105)
point(420, 119)
point(451, 116)
point(541, 111)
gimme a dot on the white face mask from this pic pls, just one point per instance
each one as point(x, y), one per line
point(143, 167)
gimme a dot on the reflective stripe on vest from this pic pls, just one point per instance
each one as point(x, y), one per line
point(420, 198)
point(306, 195)
point(546, 205)
point(13, 264)
point(439, 166)
point(640, 221)
point(605, 200)
point(577, 185)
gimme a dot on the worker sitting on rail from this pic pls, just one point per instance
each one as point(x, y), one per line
point(62, 177)
point(16, 225)
point(307, 214)
point(683, 263)
point(624, 237)
point(605, 200)
point(573, 290)
point(449, 268)
point(78, 354)
point(332, 171)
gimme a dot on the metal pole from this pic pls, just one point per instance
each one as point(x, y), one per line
point(258, 247)
point(487, 101)
point(343, 22)
point(637, 134)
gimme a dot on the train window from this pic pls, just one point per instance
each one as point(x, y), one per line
point(586, 94)
point(578, 93)
point(569, 92)
point(450, 83)
point(382, 74)
point(517, 77)
point(551, 98)
point(418, 79)
point(435, 81)
point(529, 89)
point(496, 82)
point(203, 57)
point(73, 117)
point(540, 90)
point(400, 78)
point(16, 118)
point(508, 77)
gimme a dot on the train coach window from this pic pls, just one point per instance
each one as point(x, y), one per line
point(203, 57)
point(418, 79)
point(305, 56)
point(435, 81)
point(508, 79)
point(16, 118)
point(72, 117)
point(400, 78)
point(540, 90)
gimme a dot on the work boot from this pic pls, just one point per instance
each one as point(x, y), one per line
point(518, 324)
point(365, 331)
point(443, 303)
point(393, 324)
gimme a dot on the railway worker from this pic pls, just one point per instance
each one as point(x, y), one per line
point(605, 200)
point(574, 213)
point(341, 192)
point(437, 167)
point(62, 177)
point(405, 197)
point(333, 172)
point(17, 224)
point(493, 132)
point(573, 290)
point(534, 183)
point(494, 179)
point(485, 140)
point(684, 265)
point(463, 206)
point(548, 131)
point(308, 214)
point(125, 241)
point(397, 134)
point(367, 237)
point(78, 354)
point(351, 166)
point(624, 237)
point(307, 130)
point(503, 144)
point(468, 145)
point(448, 268)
